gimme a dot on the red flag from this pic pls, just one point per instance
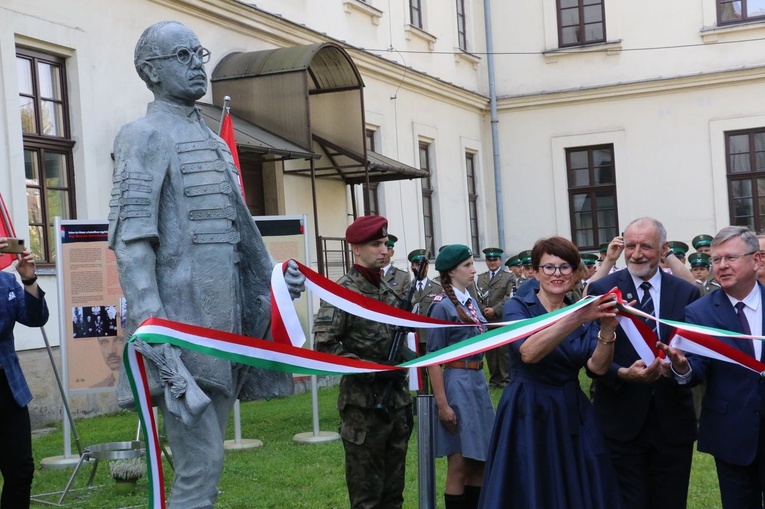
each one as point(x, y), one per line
point(6, 230)
point(227, 133)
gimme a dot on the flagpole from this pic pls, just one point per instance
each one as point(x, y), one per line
point(223, 111)
point(238, 442)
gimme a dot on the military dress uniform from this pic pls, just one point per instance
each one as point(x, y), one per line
point(700, 260)
point(375, 442)
point(493, 292)
point(398, 279)
point(515, 281)
point(424, 293)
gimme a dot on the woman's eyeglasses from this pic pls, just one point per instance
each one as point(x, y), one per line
point(549, 269)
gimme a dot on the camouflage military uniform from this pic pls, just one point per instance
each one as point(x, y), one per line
point(375, 442)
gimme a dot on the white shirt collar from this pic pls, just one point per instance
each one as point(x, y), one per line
point(655, 281)
point(752, 301)
point(461, 296)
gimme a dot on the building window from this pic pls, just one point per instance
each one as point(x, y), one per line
point(745, 155)
point(48, 162)
point(592, 195)
point(581, 22)
point(737, 11)
point(371, 196)
point(461, 30)
point(472, 201)
point(415, 13)
point(427, 197)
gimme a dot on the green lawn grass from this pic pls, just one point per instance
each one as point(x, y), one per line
point(282, 474)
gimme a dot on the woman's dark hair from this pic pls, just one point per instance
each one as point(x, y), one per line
point(556, 246)
point(446, 284)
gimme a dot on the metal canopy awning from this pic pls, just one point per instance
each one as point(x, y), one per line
point(254, 140)
point(343, 164)
point(312, 96)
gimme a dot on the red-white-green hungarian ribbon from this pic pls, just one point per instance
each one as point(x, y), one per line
point(286, 358)
point(282, 355)
point(285, 325)
point(689, 338)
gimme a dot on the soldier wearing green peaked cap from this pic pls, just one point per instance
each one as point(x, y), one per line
point(678, 249)
point(702, 243)
point(700, 265)
point(516, 267)
point(492, 289)
point(425, 291)
point(418, 255)
point(513, 261)
point(492, 252)
point(525, 257)
point(591, 262)
point(398, 279)
point(602, 250)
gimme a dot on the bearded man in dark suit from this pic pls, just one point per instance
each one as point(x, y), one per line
point(646, 416)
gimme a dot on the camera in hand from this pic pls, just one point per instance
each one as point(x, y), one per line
point(15, 246)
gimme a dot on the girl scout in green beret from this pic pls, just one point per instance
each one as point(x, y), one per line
point(465, 410)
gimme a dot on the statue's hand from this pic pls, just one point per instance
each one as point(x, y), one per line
point(295, 280)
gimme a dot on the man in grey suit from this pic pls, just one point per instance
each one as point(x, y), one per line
point(493, 288)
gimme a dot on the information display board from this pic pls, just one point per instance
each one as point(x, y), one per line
point(94, 309)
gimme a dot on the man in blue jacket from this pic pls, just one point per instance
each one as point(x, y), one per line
point(731, 427)
point(26, 306)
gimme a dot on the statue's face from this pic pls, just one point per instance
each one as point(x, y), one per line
point(179, 82)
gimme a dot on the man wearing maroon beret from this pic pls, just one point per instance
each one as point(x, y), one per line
point(375, 429)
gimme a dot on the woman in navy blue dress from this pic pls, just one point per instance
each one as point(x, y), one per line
point(465, 411)
point(546, 449)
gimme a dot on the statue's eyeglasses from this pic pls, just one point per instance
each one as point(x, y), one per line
point(184, 55)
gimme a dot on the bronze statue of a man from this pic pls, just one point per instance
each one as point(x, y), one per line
point(188, 250)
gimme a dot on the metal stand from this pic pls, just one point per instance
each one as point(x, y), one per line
point(426, 444)
point(65, 461)
point(316, 436)
point(238, 443)
point(98, 452)
point(107, 451)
